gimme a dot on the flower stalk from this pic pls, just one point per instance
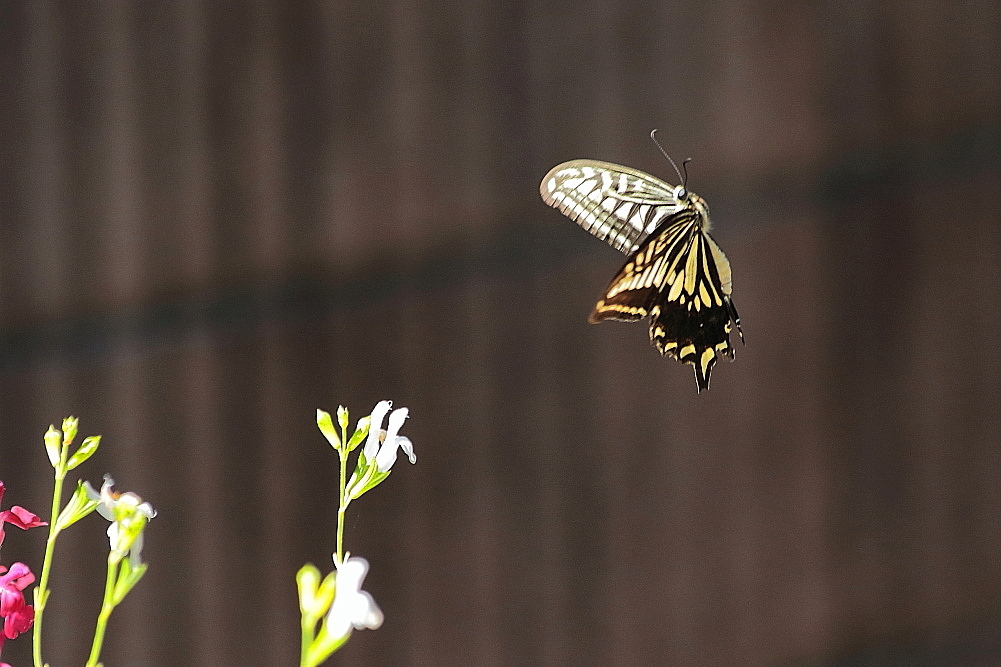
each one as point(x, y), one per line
point(126, 512)
point(128, 515)
point(57, 446)
point(334, 606)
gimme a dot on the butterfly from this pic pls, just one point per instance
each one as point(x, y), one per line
point(676, 274)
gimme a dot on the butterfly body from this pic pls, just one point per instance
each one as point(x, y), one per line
point(676, 274)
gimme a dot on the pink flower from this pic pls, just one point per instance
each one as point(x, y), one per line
point(17, 616)
point(18, 516)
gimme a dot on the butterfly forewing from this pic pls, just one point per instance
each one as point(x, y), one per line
point(619, 205)
point(676, 274)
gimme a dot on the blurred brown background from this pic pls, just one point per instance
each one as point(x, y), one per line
point(217, 217)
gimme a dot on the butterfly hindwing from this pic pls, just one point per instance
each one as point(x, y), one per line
point(676, 274)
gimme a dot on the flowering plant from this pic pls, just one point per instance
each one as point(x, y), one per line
point(336, 604)
point(332, 606)
point(128, 516)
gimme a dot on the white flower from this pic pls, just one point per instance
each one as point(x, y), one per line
point(352, 607)
point(128, 515)
point(385, 455)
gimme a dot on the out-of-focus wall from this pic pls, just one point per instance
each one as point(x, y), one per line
point(215, 219)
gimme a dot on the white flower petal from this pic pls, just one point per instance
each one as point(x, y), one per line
point(352, 607)
point(378, 414)
point(387, 455)
point(407, 447)
point(352, 572)
point(367, 614)
point(396, 422)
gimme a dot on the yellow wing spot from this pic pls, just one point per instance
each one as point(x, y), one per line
point(676, 285)
point(687, 350)
point(660, 270)
point(691, 267)
point(722, 268)
point(707, 356)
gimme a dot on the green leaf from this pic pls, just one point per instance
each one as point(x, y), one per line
point(363, 469)
point(79, 506)
point(361, 432)
point(324, 646)
point(373, 479)
point(128, 577)
point(87, 449)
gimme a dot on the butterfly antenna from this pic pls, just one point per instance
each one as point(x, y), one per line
point(684, 179)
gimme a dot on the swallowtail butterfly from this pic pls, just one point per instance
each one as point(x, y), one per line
point(676, 274)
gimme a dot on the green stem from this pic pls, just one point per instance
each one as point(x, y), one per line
point(102, 618)
point(342, 505)
point(308, 637)
point(42, 590)
point(305, 639)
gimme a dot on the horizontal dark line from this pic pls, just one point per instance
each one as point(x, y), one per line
point(868, 173)
point(306, 296)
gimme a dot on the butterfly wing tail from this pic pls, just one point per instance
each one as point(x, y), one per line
point(676, 332)
point(735, 318)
